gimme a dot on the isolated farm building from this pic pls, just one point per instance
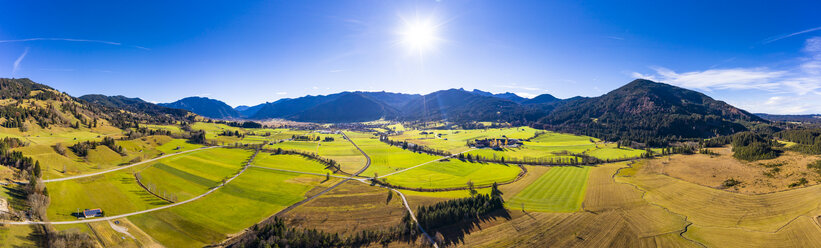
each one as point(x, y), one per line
point(89, 213)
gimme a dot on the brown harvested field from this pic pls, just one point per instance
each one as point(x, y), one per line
point(712, 171)
point(802, 232)
point(351, 207)
point(726, 219)
point(614, 215)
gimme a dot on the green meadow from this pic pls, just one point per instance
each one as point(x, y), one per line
point(386, 158)
point(250, 198)
point(453, 173)
point(184, 175)
point(189, 175)
point(561, 189)
point(289, 162)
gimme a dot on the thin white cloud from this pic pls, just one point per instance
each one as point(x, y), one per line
point(335, 71)
point(802, 79)
point(18, 60)
point(282, 93)
point(74, 40)
point(797, 88)
point(735, 78)
point(780, 37)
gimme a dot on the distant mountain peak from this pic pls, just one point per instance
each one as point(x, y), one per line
point(204, 106)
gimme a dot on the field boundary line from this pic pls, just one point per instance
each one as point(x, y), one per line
point(138, 212)
point(137, 177)
point(644, 194)
point(125, 166)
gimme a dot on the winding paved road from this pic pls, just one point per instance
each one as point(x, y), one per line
point(125, 167)
point(107, 218)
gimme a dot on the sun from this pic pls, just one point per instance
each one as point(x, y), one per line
point(419, 36)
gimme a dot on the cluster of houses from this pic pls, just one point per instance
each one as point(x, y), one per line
point(497, 143)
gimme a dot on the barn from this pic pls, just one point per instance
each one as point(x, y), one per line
point(90, 213)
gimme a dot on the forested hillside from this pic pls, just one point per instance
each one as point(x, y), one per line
point(26, 103)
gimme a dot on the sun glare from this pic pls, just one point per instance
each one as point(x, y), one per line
point(419, 36)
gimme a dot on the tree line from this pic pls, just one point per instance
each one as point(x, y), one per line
point(329, 163)
point(456, 210)
point(807, 140)
point(747, 145)
point(413, 147)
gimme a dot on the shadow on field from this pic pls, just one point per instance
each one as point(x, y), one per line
point(455, 234)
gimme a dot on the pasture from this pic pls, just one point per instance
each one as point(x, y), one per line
point(250, 198)
point(290, 162)
point(192, 174)
point(561, 189)
point(453, 173)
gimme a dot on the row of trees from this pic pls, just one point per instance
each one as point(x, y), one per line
point(235, 133)
point(413, 147)
point(275, 233)
point(329, 163)
point(140, 132)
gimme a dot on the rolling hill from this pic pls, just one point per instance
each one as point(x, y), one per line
point(133, 105)
point(28, 104)
point(648, 112)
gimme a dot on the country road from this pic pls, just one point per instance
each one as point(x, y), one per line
point(107, 218)
point(125, 167)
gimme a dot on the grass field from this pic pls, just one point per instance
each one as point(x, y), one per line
point(453, 173)
point(561, 189)
point(340, 150)
point(456, 140)
point(251, 197)
point(189, 175)
point(118, 192)
point(290, 162)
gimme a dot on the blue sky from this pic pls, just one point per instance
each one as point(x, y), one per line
point(763, 56)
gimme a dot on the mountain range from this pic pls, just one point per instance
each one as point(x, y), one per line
point(642, 110)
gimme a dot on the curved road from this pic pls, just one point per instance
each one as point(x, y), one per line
point(107, 218)
point(125, 167)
